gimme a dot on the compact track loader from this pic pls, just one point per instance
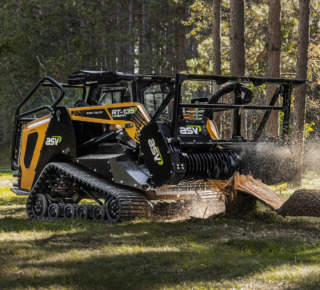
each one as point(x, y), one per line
point(130, 139)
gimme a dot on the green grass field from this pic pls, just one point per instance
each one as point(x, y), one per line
point(258, 251)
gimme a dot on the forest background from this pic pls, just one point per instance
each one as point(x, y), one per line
point(55, 38)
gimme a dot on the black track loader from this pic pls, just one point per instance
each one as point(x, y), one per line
point(124, 140)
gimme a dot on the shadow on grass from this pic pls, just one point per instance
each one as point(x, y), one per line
point(311, 281)
point(12, 211)
point(142, 270)
point(147, 254)
point(12, 201)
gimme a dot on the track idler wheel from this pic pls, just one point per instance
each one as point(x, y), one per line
point(40, 205)
point(55, 210)
point(69, 211)
point(98, 213)
point(113, 210)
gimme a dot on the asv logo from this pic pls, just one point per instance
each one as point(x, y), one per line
point(155, 151)
point(53, 141)
point(190, 130)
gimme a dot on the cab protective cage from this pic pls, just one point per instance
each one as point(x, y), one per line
point(283, 90)
point(84, 80)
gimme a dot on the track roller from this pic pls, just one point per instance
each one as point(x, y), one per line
point(55, 210)
point(70, 211)
point(84, 211)
point(98, 213)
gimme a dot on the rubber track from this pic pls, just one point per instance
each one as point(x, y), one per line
point(132, 202)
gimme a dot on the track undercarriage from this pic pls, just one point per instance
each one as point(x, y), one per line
point(61, 186)
point(62, 190)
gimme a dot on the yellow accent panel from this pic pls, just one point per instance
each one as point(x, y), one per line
point(144, 112)
point(213, 130)
point(133, 132)
point(27, 174)
point(190, 114)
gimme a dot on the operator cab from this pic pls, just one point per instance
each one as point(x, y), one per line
point(106, 88)
point(153, 96)
point(108, 94)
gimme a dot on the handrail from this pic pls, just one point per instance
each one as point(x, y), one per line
point(231, 106)
point(256, 81)
point(34, 90)
point(35, 111)
point(19, 116)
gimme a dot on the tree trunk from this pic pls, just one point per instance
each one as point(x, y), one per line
point(119, 43)
point(179, 47)
point(131, 38)
point(182, 38)
point(300, 99)
point(169, 47)
point(216, 37)
point(143, 42)
point(237, 51)
point(273, 70)
point(236, 201)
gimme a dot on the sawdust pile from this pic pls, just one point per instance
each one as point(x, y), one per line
point(206, 209)
point(187, 209)
point(303, 202)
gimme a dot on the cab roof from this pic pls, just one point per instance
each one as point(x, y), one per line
point(86, 77)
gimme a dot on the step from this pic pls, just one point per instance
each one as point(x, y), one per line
point(18, 191)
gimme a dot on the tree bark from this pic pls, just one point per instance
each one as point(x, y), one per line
point(180, 53)
point(236, 201)
point(274, 53)
point(169, 47)
point(216, 25)
point(300, 99)
point(237, 50)
point(143, 40)
point(119, 44)
point(216, 36)
point(131, 37)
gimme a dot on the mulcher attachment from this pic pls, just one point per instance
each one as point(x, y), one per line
point(61, 186)
point(169, 163)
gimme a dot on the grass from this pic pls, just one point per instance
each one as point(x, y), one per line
point(259, 250)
